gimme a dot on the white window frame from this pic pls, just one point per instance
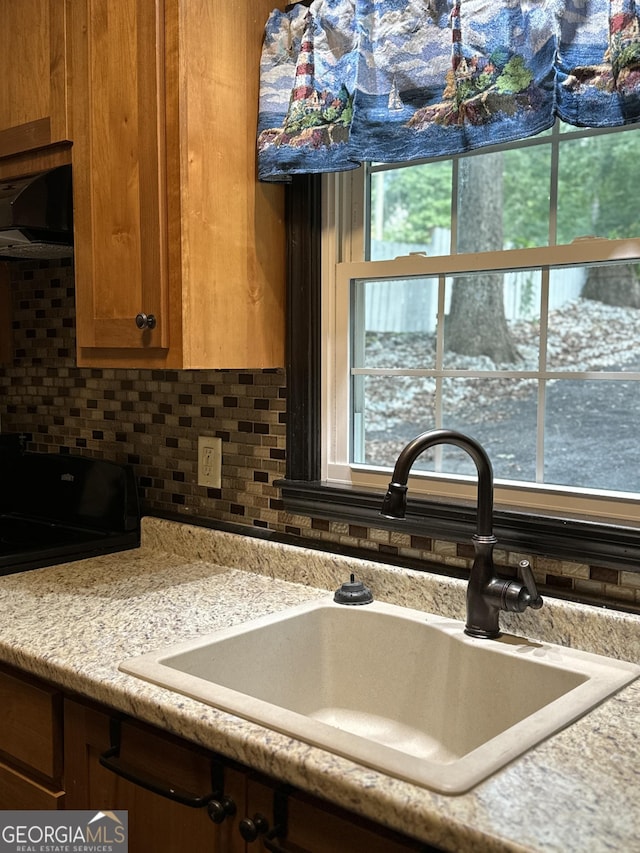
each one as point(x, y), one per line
point(342, 251)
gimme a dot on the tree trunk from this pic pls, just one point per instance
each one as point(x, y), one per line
point(477, 324)
point(613, 285)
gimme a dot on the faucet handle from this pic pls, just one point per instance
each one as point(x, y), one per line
point(535, 599)
point(516, 596)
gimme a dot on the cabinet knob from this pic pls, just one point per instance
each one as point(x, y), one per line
point(218, 810)
point(146, 321)
point(251, 828)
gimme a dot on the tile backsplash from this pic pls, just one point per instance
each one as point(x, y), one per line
point(152, 420)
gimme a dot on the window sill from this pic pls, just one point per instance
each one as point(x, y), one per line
point(594, 543)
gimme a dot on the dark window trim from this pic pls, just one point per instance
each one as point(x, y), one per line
point(304, 227)
point(583, 541)
point(558, 538)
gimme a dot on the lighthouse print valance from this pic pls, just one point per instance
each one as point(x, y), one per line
point(344, 81)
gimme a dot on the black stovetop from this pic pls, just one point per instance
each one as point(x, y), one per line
point(58, 507)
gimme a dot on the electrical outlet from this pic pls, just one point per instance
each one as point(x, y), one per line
point(209, 461)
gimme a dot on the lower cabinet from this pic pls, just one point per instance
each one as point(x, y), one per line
point(30, 743)
point(112, 765)
point(19, 791)
point(289, 820)
point(180, 797)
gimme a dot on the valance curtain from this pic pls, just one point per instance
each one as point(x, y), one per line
point(344, 81)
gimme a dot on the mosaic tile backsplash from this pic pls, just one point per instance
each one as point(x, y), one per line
point(151, 419)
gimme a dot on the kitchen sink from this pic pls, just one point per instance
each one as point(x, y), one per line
point(402, 691)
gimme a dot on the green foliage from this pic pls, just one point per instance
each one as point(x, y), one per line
point(514, 78)
point(332, 114)
point(595, 192)
point(526, 186)
point(301, 120)
point(464, 90)
point(417, 199)
point(303, 116)
point(628, 57)
point(483, 81)
point(346, 116)
point(596, 177)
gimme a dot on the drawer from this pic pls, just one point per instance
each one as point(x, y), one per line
point(31, 731)
point(19, 792)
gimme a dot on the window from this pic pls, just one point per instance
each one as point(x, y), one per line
point(496, 293)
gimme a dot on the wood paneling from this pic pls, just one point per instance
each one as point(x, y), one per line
point(34, 51)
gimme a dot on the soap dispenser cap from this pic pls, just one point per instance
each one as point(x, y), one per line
point(353, 592)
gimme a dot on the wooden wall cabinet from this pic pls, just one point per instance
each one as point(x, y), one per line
point(30, 744)
point(170, 220)
point(34, 51)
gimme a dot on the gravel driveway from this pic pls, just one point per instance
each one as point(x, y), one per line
point(591, 436)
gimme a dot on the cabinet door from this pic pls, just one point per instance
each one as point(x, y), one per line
point(31, 731)
point(317, 827)
point(33, 97)
point(120, 217)
point(155, 822)
point(30, 743)
point(232, 226)
point(170, 220)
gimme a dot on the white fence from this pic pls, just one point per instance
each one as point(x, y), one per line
point(411, 305)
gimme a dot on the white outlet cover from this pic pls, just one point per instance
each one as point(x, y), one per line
point(210, 461)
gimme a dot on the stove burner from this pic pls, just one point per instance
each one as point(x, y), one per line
point(58, 507)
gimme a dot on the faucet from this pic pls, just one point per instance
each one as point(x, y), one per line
point(487, 594)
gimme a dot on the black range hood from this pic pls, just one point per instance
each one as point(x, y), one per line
point(36, 216)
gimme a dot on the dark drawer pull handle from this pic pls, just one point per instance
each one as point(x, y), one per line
point(218, 806)
point(111, 760)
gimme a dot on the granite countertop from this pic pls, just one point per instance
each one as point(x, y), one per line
point(73, 624)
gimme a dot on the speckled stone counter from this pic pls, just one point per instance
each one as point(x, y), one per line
point(73, 624)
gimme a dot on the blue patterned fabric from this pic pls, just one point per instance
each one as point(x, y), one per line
point(344, 81)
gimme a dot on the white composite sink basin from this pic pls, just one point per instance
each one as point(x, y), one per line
point(398, 690)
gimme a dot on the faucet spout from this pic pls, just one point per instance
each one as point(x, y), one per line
point(487, 594)
point(394, 505)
